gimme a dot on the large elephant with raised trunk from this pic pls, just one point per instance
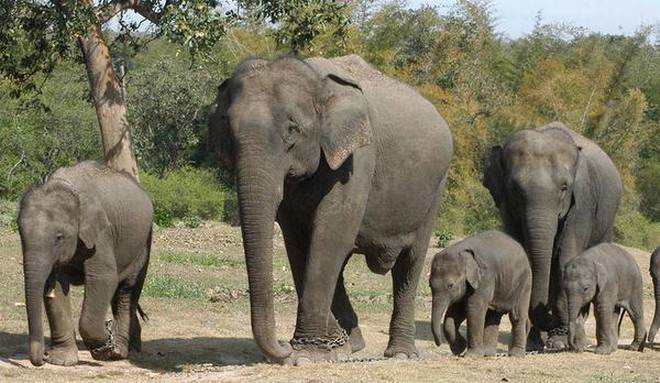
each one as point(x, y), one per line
point(347, 160)
point(557, 193)
point(86, 225)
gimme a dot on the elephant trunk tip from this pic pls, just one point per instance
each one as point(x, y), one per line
point(437, 339)
point(37, 353)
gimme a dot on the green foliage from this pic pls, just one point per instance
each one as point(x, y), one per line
point(185, 194)
point(300, 21)
point(40, 135)
point(165, 286)
point(8, 214)
point(443, 236)
point(198, 259)
point(168, 112)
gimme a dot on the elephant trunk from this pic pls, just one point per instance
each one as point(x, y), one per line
point(36, 273)
point(573, 312)
point(258, 204)
point(438, 311)
point(540, 230)
point(656, 317)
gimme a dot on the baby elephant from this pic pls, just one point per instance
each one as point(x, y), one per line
point(655, 274)
point(609, 277)
point(481, 278)
point(86, 225)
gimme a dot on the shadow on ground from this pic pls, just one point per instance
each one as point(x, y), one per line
point(171, 355)
point(160, 355)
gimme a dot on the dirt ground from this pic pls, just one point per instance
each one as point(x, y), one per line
point(199, 326)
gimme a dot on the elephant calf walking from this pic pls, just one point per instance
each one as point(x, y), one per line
point(480, 279)
point(609, 277)
point(655, 274)
point(86, 225)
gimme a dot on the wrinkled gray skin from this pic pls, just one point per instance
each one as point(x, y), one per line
point(86, 225)
point(655, 274)
point(607, 276)
point(557, 193)
point(480, 279)
point(347, 161)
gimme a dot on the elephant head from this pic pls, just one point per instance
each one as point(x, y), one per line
point(455, 272)
point(581, 280)
point(277, 122)
point(53, 219)
point(535, 180)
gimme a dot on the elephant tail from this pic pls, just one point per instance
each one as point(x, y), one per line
point(145, 317)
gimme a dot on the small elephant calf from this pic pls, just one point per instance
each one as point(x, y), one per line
point(607, 276)
point(481, 278)
point(86, 225)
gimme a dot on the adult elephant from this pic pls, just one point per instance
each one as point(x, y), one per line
point(557, 193)
point(347, 161)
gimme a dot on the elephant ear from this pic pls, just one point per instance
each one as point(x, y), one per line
point(472, 268)
point(219, 135)
point(494, 175)
point(601, 275)
point(345, 125)
point(92, 219)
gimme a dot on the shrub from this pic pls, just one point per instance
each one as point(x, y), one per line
point(632, 228)
point(444, 236)
point(186, 194)
point(8, 214)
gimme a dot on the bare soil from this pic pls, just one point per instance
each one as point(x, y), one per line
point(199, 327)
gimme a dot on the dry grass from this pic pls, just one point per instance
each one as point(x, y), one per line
point(190, 338)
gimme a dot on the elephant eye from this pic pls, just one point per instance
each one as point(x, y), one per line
point(292, 131)
point(450, 286)
point(59, 237)
point(564, 187)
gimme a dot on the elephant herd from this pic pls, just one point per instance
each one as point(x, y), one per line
point(347, 161)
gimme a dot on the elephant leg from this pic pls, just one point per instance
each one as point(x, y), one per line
point(453, 318)
point(121, 325)
point(580, 335)
point(135, 329)
point(343, 310)
point(405, 277)
point(100, 286)
point(605, 327)
point(636, 312)
point(491, 332)
point(63, 350)
point(476, 316)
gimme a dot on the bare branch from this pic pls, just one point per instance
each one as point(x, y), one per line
point(108, 10)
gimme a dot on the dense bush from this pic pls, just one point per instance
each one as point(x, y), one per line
point(187, 195)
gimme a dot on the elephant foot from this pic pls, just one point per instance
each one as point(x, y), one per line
point(578, 347)
point(457, 347)
point(517, 352)
point(474, 353)
point(312, 354)
point(603, 350)
point(534, 341)
point(62, 355)
point(490, 351)
point(112, 349)
point(397, 351)
point(356, 340)
point(637, 346)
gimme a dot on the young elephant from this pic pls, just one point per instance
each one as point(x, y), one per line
point(609, 277)
point(86, 225)
point(655, 274)
point(481, 278)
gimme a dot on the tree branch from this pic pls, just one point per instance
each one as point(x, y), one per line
point(108, 10)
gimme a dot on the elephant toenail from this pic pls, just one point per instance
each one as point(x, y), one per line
point(303, 361)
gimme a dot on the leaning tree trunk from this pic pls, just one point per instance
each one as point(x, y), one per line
point(109, 103)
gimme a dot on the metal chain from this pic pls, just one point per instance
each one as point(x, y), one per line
point(108, 345)
point(324, 343)
point(558, 331)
